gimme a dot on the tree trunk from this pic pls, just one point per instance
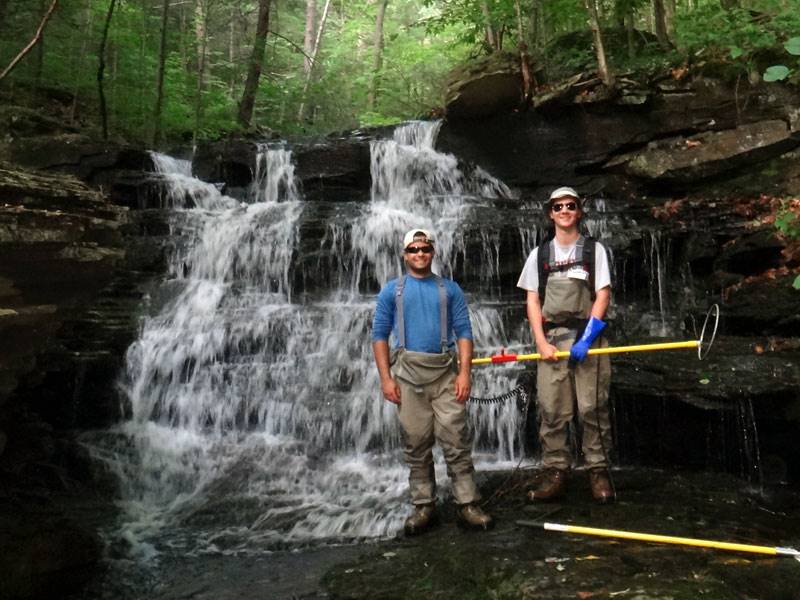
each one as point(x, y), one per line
point(39, 54)
point(102, 67)
point(629, 35)
point(659, 16)
point(201, 31)
point(3, 14)
point(232, 52)
point(524, 57)
point(602, 64)
point(538, 26)
point(317, 43)
point(669, 15)
point(308, 37)
point(491, 37)
point(254, 69)
point(377, 57)
point(162, 61)
point(81, 59)
point(36, 37)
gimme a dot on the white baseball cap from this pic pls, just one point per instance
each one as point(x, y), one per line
point(417, 235)
point(564, 191)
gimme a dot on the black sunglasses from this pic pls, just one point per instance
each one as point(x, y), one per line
point(572, 206)
point(423, 249)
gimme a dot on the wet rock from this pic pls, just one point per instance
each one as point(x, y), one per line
point(52, 557)
point(519, 559)
point(90, 160)
point(691, 158)
point(231, 161)
point(766, 305)
point(334, 170)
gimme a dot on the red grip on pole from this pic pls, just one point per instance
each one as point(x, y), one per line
point(502, 358)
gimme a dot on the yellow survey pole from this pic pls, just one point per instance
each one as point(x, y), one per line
point(502, 358)
point(668, 539)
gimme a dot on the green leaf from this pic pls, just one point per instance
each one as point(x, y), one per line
point(736, 52)
point(793, 46)
point(796, 284)
point(776, 73)
point(705, 381)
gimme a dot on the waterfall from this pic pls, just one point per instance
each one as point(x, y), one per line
point(257, 420)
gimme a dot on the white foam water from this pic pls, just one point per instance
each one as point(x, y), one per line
point(257, 420)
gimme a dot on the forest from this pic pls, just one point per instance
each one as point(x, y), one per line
point(179, 71)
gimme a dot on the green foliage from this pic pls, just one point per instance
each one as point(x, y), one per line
point(787, 221)
point(423, 41)
point(781, 72)
point(776, 73)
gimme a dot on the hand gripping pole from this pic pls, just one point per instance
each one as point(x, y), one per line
point(703, 346)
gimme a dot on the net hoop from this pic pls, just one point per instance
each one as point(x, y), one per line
point(703, 347)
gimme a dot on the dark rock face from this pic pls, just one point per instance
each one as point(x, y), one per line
point(485, 87)
point(72, 269)
point(331, 169)
point(653, 132)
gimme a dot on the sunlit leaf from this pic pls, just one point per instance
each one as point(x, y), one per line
point(776, 73)
point(793, 46)
point(736, 52)
point(796, 284)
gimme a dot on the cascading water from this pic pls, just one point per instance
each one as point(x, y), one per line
point(256, 418)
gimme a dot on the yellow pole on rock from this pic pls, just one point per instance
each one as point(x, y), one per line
point(668, 539)
point(502, 357)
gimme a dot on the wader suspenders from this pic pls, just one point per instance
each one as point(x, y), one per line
point(401, 324)
point(584, 255)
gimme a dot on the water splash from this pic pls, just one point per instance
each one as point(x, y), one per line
point(256, 416)
point(181, 190)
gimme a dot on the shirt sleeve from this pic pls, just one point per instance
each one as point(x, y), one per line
point(602, 269)
point(460, 313)
point(529, 279)
point(383, 321)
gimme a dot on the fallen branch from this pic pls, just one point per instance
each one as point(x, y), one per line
point(32, 43)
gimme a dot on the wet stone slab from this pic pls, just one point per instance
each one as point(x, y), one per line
point(519, 559)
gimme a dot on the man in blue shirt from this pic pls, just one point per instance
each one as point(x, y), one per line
point(429, 384)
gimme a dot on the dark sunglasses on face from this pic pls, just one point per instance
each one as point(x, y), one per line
point(423, 249)
point(571, 206)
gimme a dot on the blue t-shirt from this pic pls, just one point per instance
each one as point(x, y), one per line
point(421, 314)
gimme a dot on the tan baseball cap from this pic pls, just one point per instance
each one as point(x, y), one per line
point(562, 192)
point(417, 235)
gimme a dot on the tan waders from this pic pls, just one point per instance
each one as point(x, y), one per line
point(429, 412)
point(561, 389)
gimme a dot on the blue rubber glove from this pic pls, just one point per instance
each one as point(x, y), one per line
point(581, 348)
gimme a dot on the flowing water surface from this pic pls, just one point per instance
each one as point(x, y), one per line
point(257, 421)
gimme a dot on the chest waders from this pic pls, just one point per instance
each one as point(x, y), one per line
point(430, 411)
point(421, 368)
point(566, 306)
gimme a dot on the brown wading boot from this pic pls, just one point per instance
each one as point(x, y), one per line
point(552, 486)
point(472, 516)
point(600, 483)
point(423, 517)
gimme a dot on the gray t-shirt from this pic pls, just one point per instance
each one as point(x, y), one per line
point(529, 279)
